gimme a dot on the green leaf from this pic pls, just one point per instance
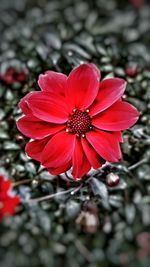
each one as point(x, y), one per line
point(99, 189)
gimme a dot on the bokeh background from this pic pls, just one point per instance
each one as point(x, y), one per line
point(101, 225)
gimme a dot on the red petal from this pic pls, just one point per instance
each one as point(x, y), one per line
point(48, 107)
point(92, 156)
point(116, 145)
point(23, 104)
point(5, 185)
point(118, 117)
point(61, 169)
point(120, 137)
point(82, 86)
point(109, 92)
point(106, 144)
point(10, 204)
point(58, 151)
point(34, 149)
point(53, 82)
point(36, 128)
point(80, 163)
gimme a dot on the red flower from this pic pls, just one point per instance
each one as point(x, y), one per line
point(132, 71)
point(76, 120)
point(137, 3)
point(8, 202)
point(12, 75)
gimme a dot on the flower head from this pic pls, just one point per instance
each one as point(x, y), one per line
point(13, 75)
point(8, 202)
point(76, 121)
point(132, 71)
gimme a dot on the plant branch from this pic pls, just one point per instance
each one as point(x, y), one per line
point(134, 166)
point(25, 181)
point(71, 191)
point(84, 251)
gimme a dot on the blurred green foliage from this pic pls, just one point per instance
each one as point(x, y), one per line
point(99, 225)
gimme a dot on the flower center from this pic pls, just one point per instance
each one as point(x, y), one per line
point(79, 122)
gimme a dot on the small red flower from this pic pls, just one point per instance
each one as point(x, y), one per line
point(76, 120)
point(12, 75)
point(132, 71)
point(8, 202)
point(137, 3)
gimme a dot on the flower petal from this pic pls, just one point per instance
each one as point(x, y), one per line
point(48, 107)
point(59, 150)
point(52, 82)
point(37, 129)
point(10, 204)
point(80, 163)
point(118, 117)
point(23, 104)
point(120, 137)
point(5, 185)
point(106, 144)
point(35, 148)
point(95, 160)
point(110, 91)
point(82, 86)
point(61, 169)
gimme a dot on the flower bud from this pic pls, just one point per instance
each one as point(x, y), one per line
point(112, 179)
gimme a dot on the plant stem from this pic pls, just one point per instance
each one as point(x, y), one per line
point(84, 251)
point(71, 191)
point(134, 166)
point(25, 181)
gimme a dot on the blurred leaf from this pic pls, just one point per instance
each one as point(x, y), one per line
point(99, 189)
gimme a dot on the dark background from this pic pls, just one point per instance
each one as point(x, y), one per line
point(100, 226)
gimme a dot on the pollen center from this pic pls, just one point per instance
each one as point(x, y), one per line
point(79, 122)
